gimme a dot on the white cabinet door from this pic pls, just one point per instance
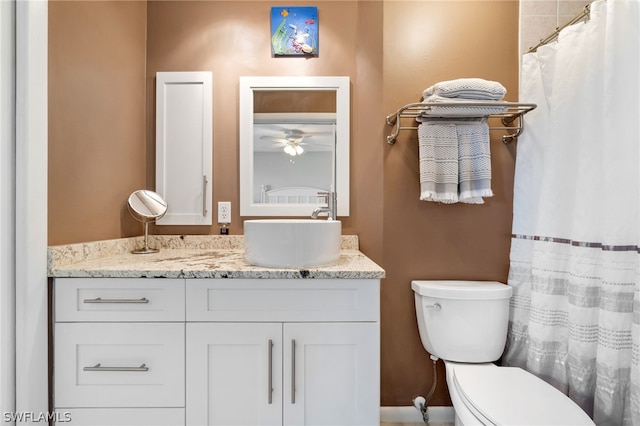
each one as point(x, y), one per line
point(184, 120)
point(234, 374)
point(290, 374)
point(331, 374)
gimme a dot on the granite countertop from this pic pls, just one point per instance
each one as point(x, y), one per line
point(193, 256)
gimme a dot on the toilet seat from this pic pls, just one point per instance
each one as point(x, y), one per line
point(512, 396)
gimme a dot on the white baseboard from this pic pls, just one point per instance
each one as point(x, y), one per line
point(412, 415)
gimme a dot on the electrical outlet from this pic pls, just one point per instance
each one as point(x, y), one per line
point(224, 211)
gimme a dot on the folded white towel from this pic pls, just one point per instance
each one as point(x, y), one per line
point(455, 162)
point(468, 88)
point(463, 110)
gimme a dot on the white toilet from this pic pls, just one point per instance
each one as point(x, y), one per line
point(465, 324)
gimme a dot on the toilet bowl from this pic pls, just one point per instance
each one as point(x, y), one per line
point(465, 324)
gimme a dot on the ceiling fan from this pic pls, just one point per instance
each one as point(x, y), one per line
point(292, 140)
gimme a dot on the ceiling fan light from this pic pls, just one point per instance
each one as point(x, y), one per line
point(299, 149)
point(290, 150)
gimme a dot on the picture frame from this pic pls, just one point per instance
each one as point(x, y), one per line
point(294, 31)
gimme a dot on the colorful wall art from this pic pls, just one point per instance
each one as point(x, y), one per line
point(294, 31)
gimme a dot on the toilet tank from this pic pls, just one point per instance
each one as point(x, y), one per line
point(462, 321)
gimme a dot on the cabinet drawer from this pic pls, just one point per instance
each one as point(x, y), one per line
point(121, 417)
point(282, 300)
point(119, 365)
point(119, 299)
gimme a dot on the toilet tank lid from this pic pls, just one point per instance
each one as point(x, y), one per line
point(450, 289)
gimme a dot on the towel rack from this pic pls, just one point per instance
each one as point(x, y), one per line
point(512, 117)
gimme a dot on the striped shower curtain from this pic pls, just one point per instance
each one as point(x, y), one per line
point(575, 253)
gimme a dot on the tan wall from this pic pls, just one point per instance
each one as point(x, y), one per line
point(391, 50)
point(96, 117)
point(426, 42)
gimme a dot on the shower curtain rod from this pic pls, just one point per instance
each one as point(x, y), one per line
point(582, 15)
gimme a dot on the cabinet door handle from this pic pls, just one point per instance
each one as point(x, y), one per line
point(101, 300)
point(99, 367)
point(204, 195)
point(270, 390)
point(293, 371)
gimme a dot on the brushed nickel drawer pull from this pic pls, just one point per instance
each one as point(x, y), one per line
point(101, 300)
point(293, 371)
point(270, 390)
point(99, 367)
point(204, 195)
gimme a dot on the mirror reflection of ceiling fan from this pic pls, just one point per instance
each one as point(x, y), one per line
point(294, 139)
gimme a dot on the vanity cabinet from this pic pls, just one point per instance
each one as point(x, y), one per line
point(217, 351)
point(282, 352)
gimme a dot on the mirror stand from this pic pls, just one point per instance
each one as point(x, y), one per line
point(145, 249)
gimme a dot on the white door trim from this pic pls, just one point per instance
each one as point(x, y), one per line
point(31, 207)
point(7, 205)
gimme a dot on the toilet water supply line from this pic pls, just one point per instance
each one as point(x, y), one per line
point(422, 403)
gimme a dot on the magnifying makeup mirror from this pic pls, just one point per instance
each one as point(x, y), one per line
point(147, 207)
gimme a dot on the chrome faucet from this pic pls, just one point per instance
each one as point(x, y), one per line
point(329, 209)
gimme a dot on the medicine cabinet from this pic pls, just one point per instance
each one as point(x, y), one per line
point(184, 146)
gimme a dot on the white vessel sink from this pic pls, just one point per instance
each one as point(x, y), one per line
point(291, 243)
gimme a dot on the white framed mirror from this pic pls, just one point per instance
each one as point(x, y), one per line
point(294, 143)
